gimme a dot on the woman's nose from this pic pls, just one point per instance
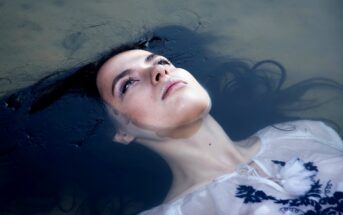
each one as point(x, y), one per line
point(157, 74)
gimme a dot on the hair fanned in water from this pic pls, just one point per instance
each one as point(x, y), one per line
point(255, 96)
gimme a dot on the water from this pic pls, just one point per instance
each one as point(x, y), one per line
point(40, 37)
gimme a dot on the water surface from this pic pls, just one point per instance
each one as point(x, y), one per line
point(40, 37)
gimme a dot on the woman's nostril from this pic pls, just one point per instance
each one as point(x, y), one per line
point(157, 78)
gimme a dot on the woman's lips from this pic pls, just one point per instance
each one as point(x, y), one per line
point(171, 87)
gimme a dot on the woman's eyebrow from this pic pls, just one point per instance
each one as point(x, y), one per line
point(150, 57)
point(118, 77)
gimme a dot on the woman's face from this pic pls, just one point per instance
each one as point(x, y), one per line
point(148, 91)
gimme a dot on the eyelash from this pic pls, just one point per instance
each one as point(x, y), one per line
point(163, 62)
point(126, 85)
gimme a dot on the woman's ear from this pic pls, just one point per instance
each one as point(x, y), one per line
point(123, 137)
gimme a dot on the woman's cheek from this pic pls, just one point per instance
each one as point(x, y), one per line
point(137, 113)
point(129, 105)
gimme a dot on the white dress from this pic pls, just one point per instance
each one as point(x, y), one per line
point(304, 163)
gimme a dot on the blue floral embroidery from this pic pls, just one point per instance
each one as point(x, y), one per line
point(313, 200)
point(309, 165)
point(281, 163)
point(249, 194)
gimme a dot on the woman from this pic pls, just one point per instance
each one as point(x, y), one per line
point(165, 109)
point(276, 171)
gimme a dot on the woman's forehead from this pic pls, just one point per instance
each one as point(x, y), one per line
point(118, 62)
point(127, 57)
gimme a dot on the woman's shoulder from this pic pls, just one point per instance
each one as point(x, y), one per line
point(302, 129)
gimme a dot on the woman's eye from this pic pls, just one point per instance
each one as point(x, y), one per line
point(163, 62)
point(126, 85)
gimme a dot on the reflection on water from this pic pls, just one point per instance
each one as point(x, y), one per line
point(38, 38)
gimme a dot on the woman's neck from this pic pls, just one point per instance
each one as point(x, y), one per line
point(206, 154)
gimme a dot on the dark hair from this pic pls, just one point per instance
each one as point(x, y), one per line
point(80, 161)
point(81, 79)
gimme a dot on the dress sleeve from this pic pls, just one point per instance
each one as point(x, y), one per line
point(325, 134)
point(317, 130)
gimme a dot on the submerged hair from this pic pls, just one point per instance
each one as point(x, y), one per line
point(255, 96)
